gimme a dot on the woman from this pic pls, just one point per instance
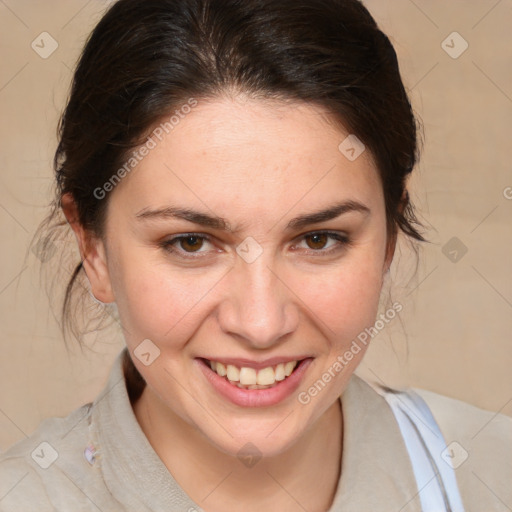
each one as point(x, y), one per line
point(235, 174)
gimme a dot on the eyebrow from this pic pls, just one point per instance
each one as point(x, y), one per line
point(219, 223)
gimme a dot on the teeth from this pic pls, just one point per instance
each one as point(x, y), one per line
point(280, 372)
point(266, 376)
point(288, 368)
point(252, 386)
point(249, 378)
point(220, 369)
point(233, 373)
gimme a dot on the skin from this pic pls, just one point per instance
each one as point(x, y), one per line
point(257, 164)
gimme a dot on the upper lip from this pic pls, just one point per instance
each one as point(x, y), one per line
point(257, 365)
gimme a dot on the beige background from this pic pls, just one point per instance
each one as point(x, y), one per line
point(454, 335)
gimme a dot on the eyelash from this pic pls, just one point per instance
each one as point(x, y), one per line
point(343, 242)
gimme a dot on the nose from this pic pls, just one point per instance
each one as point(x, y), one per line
point(259, 308)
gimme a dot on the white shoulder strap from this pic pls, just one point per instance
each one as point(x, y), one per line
point(435, 478)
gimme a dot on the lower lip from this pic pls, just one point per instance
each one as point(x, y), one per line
point(255, 397)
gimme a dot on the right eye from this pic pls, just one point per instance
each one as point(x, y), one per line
point(189, 243)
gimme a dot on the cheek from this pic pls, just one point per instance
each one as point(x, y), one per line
point(157, 301)
point(346, 299)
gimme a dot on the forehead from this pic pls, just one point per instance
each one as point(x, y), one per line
point(262, 155)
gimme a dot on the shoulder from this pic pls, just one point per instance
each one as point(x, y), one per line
point(463, 421)
point(36, 469)
point(478, 447)
point(461, 418)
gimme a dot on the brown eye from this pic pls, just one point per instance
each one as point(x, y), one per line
point(191, 243)
point(325, 243)
point(317, 240)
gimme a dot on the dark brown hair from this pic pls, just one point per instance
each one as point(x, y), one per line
point(146, 58)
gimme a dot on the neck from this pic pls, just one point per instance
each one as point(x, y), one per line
point(304, 475)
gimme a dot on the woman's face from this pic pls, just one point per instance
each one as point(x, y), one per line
point(254, 286)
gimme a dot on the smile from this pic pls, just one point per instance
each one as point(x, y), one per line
point(247, 386)
point(249, 378)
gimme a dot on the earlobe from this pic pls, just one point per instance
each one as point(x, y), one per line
point(92, 253)
point(96, 268)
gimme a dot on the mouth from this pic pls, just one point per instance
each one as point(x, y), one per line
point(247, 377)
point(248, 386)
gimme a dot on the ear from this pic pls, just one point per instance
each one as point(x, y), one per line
point(92, 252)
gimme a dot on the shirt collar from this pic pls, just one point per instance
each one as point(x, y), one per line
point(375, 468)
point(376, 472)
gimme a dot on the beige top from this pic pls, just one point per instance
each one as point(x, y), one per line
point(125, 473)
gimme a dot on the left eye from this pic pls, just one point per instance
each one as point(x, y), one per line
point(317, 241)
